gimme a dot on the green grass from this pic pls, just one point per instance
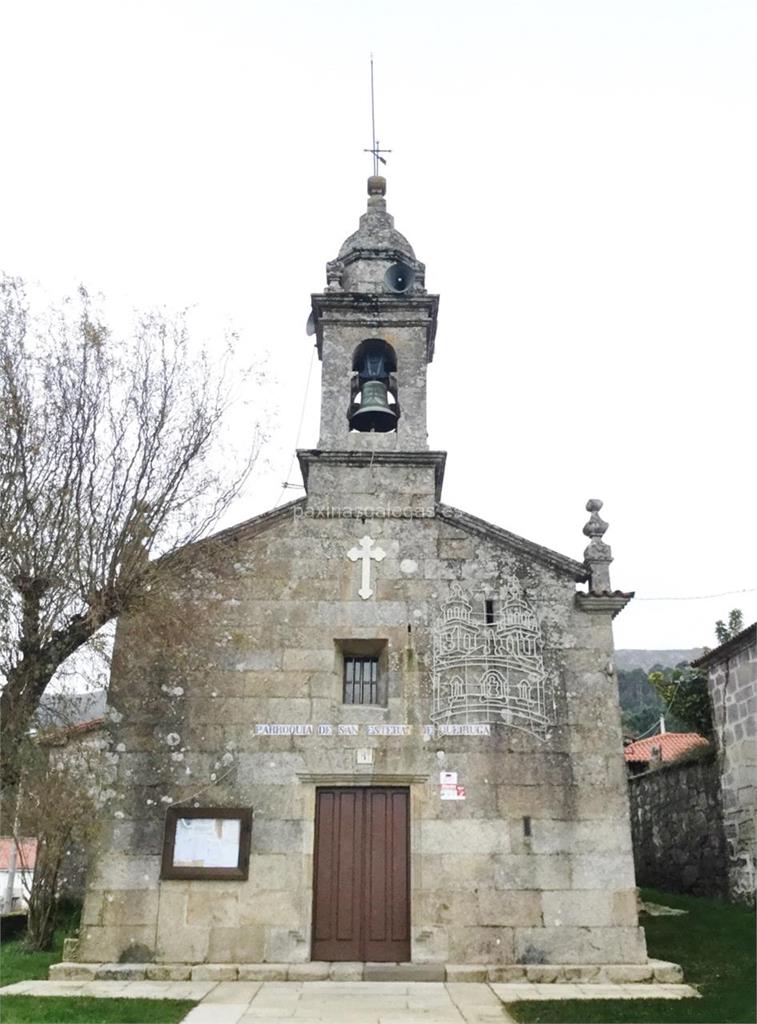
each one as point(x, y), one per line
point(715, 945)
point(18, 965)
point(85, 1010)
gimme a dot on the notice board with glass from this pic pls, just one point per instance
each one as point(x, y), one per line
point(207, 842)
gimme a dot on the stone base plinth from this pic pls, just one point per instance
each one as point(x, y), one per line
point(660, 971)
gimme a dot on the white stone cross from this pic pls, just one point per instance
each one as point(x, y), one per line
point(364, 551)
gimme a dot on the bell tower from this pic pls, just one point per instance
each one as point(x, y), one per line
point(375, 326)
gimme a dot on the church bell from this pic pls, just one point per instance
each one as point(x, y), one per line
point(373, 411)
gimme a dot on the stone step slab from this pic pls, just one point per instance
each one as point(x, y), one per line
point(71, 970)
point(263, 972)
point(403, 972)
point(532, 991)
point(168, 972)
point(121, 972)
point(661, 972)
point(216, 972)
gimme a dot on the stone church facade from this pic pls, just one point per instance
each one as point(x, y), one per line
point(367, 726)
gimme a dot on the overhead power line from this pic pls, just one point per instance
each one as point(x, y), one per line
point(700, 597)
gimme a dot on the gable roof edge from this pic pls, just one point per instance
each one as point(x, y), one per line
point(576, 570)
point(245, 528)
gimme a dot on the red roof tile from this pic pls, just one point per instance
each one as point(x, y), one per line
point(672, 745)
point(58, 733)
point(24, 859)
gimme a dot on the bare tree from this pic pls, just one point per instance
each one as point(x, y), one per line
point(60, 803)
point(109, 454)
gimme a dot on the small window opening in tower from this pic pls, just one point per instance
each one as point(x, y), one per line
point(489, 611)
point(373, 391)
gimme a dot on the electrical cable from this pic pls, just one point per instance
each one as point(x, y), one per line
point(665, 712)
point(299, 427)
point(700, 597)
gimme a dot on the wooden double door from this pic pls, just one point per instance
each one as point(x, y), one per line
point(361, 885)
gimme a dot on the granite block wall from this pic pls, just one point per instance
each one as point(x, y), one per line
point(677, 828)
point(733, 694)
point(251, 634)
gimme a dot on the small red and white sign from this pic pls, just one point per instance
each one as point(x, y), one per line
point(449, 788)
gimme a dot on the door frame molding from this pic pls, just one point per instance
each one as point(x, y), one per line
point(360, 779)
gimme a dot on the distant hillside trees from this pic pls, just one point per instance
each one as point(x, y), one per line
point(642, 705)
point(679, 694)
point(684, 692)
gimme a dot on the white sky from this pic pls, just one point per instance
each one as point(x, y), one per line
point(577, 176)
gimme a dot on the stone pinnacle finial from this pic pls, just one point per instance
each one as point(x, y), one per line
point(596, 527)
point(597, 555)
point(376, 194)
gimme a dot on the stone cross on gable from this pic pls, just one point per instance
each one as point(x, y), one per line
point(363, 551)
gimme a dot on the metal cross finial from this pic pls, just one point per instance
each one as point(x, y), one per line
point(375, 148)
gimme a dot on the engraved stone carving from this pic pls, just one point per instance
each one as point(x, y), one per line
point(490, 672)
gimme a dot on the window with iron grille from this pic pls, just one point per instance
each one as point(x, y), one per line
point(361, 680)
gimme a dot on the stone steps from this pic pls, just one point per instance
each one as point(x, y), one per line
point(653, 971)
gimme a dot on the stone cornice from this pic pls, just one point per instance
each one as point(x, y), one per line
point(614, 602)
point(367, 778)
point(393, 255)
point(435, 460)
point(374, 311)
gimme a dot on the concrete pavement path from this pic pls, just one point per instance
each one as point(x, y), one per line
point(350, 1002)
point(310, 1002)
point(359, 1002)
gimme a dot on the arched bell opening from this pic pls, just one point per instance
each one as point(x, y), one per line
point(373, 390)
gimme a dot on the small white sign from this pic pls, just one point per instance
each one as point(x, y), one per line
point(365, 755)
point(449, 788)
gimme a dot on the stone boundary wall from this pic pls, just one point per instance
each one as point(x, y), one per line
point(677, 828)
point(733, 693)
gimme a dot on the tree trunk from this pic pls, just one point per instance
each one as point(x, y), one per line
point(43, 900)
point(27, 681)
point(18, 703)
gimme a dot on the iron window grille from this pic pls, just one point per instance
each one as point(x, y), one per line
point(361, 680)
